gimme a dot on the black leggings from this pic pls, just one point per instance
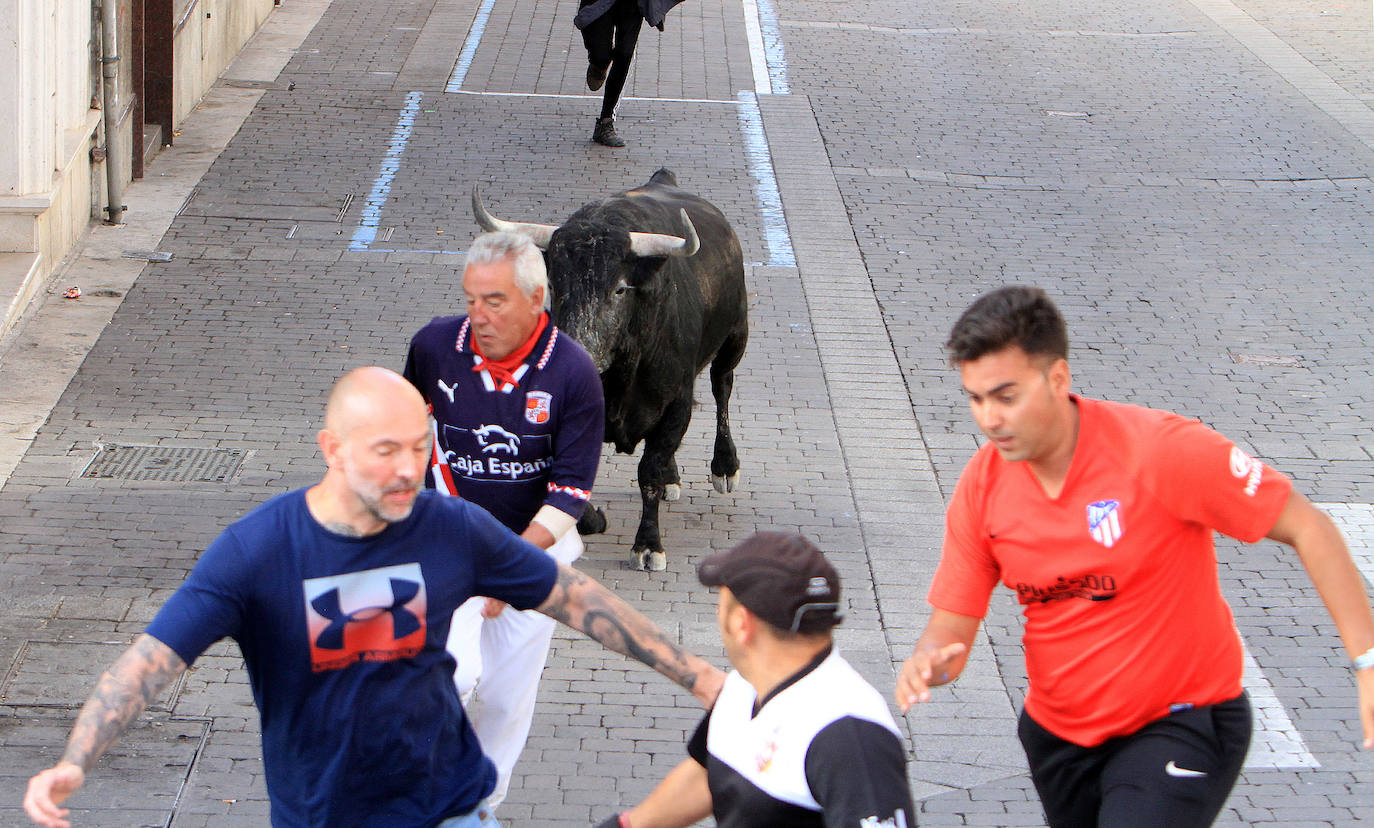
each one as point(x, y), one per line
point(611, 38)
point(1175, 771)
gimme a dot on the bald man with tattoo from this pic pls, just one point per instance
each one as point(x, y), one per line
point(339, 597)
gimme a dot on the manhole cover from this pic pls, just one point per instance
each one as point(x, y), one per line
point(163, 463)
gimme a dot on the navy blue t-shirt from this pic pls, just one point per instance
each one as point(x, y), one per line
point(344, 640)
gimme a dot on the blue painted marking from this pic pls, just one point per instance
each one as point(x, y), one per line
point(383, 250)
point(479, 25)
point(775, 231)
point(772, 47)
point(391, 163)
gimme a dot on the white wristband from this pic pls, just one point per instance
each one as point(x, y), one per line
point(557, 521)
point(1363, 661)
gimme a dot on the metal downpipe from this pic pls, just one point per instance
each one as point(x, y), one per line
point(109, 70)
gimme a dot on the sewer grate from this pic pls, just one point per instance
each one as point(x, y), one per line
point(282, 205)
point(164, 463)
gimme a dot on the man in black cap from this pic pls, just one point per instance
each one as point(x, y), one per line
point(797, 737)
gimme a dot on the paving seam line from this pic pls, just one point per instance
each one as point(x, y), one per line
point(1318, 87)
point(860, 370)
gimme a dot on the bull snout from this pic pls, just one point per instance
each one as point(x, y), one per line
point(594, 334)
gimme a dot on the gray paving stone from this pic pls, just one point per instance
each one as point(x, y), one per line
point(1187, 202)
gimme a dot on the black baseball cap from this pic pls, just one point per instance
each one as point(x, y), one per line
point(782, 578)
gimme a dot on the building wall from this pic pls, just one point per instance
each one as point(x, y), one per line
point(207, 37)
point(50, 118)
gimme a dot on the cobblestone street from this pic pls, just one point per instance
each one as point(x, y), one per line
point(1191, 180)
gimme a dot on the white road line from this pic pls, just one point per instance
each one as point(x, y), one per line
point(758, 58)
point(479, 26)
point(775, 230)
point(772, 47)
point(770, 76)
point(391, 163)
point(1276, 742)
point(384, 250)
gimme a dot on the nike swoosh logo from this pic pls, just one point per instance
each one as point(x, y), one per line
point(1182, 773)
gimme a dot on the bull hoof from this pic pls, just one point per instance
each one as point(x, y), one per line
point(647, 560)
point(672, 492)
point(725, 484)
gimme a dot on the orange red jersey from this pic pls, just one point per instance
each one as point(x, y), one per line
point(1124, 615)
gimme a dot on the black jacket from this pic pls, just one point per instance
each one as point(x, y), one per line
point(654, 11)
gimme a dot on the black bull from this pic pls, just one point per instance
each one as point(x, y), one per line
point(651, 282)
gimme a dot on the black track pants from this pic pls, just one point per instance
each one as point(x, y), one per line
point(1176, 771)
point(610, 39)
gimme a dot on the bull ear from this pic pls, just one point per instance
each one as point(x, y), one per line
point(537, 233)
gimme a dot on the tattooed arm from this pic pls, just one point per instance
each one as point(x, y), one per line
point(585, 605)
point(123, 691)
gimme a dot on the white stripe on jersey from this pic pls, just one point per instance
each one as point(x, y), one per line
point(769, 750)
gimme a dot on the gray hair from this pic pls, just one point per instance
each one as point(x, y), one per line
point(524, 256)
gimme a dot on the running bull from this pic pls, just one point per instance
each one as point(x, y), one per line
point(651, 282)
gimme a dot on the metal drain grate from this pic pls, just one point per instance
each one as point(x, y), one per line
point(163, 463)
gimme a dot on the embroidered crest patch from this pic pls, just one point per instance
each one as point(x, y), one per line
point(1104, 521)
point(537, 407)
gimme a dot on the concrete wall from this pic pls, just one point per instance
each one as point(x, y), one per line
point(208, 34)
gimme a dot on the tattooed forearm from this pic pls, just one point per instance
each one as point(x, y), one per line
point(583, 604)
point(609, 630)
point(556, 605)
point(120, 695)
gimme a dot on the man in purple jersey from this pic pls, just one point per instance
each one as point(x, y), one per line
point(340, 597)
point(518, 421)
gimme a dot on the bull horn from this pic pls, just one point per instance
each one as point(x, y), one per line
point(538, 233)
point(661, 244)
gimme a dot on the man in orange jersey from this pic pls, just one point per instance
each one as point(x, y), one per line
point(1100, 516)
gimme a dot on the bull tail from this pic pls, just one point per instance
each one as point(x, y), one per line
point(664, 176)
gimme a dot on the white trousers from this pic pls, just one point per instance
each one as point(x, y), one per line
point(499, 663)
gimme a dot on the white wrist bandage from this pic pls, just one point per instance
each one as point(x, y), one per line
point(557, 521)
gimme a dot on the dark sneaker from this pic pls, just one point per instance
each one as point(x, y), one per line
point(596, 75)
point(605, 134)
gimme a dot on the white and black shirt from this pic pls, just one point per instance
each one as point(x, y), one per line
point(821, 749)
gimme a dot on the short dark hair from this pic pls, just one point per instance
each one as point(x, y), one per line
point(1013, 315)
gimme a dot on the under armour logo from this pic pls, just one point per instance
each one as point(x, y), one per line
point(403, 621)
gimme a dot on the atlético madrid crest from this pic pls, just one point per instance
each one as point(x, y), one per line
point(1104, 521)
point(537, 407)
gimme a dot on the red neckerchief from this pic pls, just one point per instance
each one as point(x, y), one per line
point(503, 370)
